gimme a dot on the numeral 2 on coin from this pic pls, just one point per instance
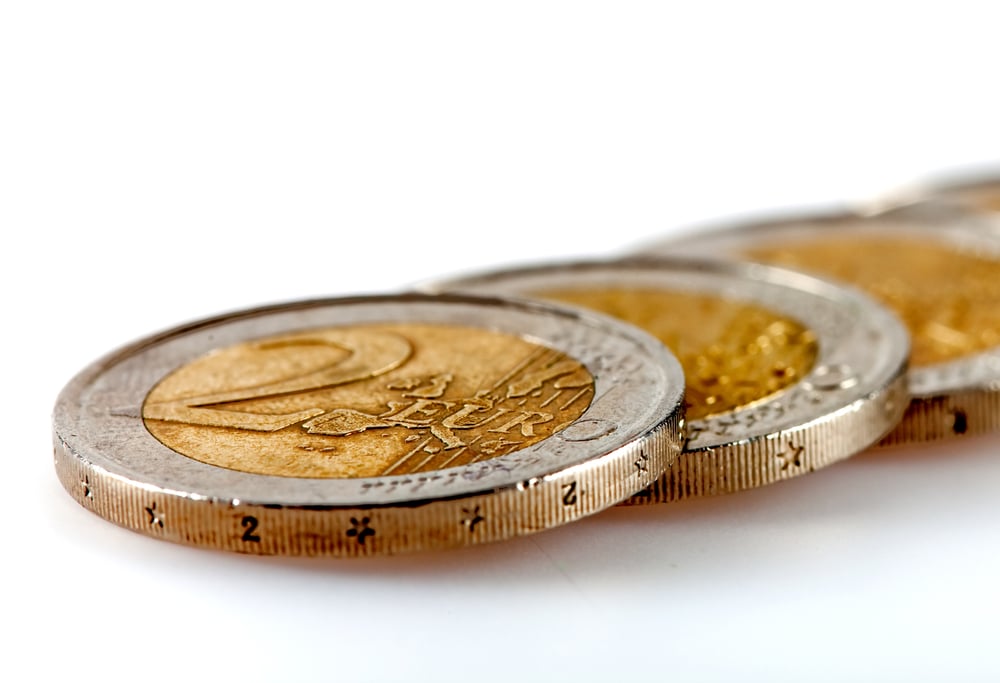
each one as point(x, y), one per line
point(250, 525)
point(569, 493)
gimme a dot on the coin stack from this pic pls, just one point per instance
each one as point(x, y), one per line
point(495, 405)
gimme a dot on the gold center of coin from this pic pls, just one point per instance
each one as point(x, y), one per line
point(733, 353)
point(949, 300)
point(365, 401)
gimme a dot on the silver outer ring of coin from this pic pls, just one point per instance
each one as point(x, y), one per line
point(959, 191)
point(954, 398)
point(110, 463)
point(852, 396)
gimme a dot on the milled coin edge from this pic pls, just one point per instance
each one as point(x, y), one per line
point(353, 531)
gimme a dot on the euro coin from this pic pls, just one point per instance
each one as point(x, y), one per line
point(785, 373)
point(369, 425)
point(935, 266)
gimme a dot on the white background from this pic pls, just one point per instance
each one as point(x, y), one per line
point(164, 161)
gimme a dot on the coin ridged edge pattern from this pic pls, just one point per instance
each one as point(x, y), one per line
point(485, 512)
point(533, 505)
point(793, 432)
point(752, 463)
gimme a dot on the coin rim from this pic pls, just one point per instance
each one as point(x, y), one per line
point(954, 398)
point(519, 502)
point(852, 419)
point(942, 191)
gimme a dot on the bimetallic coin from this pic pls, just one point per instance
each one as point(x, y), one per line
point(936, 266)
point(370, 425)
point(785, 373)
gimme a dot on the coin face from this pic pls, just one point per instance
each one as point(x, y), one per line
point(737, 353)
point(787, 373)
point(948, 298)
point(369, 425)
point(937, 268)
point(367, 401)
